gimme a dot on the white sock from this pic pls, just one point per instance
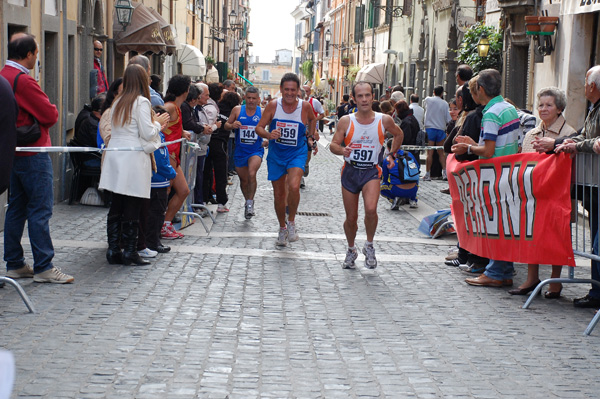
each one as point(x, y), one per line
point(249, 202)
point(352, 248)
point(369, 243)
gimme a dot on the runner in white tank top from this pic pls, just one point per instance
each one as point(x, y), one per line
point(362, 134)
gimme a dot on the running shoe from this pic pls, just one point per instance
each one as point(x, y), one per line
point(248, 210)
point(370, 260)
point(395, 204)
point(282, 238)
point(302, 183)
point(168, 232)
point(147, 253)
point(444, 176)
point(413, 204)
point(292, 234)
point(222, 208)
point(351, 256)
point(427, 177)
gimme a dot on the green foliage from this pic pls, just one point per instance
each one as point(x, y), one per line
point(209, 60)
point(352, 71)
point(467, 51)
point(329, 105)
point(307, 69)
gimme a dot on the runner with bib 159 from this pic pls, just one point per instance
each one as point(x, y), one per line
point(292, 124)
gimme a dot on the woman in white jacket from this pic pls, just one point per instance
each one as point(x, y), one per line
point(127, 174)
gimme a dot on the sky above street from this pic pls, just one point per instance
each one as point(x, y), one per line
point(271, 27)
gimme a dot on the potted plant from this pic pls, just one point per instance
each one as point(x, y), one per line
point(345, 61)
point(548, 24)
point(209, 60)
point(532, 23)
point(331, 82)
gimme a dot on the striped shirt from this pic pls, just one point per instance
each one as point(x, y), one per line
point(500, 123)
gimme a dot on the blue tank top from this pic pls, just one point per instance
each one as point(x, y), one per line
point(293, 132)
point(246, 140)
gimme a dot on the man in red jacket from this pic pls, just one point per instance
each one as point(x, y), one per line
point(31, 196)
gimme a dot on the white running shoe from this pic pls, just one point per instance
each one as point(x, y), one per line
point(147, 253)
point(427, 177)
point(292, 234)
point(351, 256)
point(248, 210)
point(370, 260)
point(282, 238)
point(396, 204)
point(444, 176)
point(413, 204)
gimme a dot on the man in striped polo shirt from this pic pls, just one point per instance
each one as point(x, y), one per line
point(499, 136)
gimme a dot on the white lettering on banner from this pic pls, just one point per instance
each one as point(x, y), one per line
point(491, 203)
point(289, 133)
point(582, 6)
point(248, 135)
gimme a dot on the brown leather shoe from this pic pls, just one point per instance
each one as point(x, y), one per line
point(507, 283)
point(485, 281)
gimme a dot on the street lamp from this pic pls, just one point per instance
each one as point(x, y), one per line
point(234, 22)
point(327, 35)
point(124, 12)
point(483, 46)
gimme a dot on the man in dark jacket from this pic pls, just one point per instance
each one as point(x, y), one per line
point(31, 198)
point(8, 132)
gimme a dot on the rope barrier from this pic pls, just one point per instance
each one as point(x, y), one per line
point(94, 149)
point(189, 143)
point(421, 147)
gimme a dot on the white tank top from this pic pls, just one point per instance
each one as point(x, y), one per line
point(294, 116)
point(366, 142)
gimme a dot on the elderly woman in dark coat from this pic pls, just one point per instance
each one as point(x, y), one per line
point(408, 124)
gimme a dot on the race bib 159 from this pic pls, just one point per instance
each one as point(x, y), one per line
point(289, 133)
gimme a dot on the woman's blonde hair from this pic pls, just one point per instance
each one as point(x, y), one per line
point(135, 84)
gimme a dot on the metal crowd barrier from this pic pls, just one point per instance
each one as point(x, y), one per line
point(585, 179)
point(189, 163)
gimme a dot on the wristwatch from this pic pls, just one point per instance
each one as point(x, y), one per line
point(469, 149)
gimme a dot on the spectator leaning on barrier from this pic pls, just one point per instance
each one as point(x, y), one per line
point(586, 141)
point(551, 104)
point(177, 92)
point(191, 123)
point(8, 132)
point(31, 182)
point(499, 136)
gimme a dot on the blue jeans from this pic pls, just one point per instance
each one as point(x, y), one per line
point(499, 270)
point(31, 199)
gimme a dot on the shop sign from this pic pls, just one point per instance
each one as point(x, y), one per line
point(582, 6)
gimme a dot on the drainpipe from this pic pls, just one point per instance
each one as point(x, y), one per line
point(65, 98)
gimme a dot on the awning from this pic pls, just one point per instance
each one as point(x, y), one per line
point(167, 32)
point(143, 35)
point(371, 73)
point(191, 60)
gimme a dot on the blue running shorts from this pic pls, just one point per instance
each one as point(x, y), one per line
point(276, 167)
point(242, 162)
point(435, 135)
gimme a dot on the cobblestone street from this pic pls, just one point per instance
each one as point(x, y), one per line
point(228, 315)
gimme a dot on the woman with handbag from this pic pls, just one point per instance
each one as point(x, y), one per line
point(127, 174)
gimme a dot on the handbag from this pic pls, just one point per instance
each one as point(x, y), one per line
point(26, 134)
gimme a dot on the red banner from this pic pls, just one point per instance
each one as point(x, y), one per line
point(514, 208)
